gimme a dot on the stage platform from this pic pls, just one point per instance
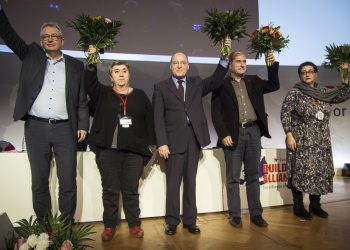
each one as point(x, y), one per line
point(16, 198)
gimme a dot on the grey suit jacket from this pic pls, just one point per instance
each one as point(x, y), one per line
point(32, 75)
point(171, 112)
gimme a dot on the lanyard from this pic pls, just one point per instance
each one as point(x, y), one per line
point(317, 102)
point(124, 101)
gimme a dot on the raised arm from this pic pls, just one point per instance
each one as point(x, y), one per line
point(92, 85)
point(11, 38)
point(272, 83)
point(215, 80)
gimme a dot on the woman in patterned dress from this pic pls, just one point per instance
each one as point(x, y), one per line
point(305, 118)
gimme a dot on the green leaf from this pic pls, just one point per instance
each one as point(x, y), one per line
point(218, 24)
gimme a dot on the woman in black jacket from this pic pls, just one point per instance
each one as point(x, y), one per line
point(120, 136)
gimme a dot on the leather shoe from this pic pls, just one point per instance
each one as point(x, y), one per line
point(193, 229)
point(107, 234)
point(170, 229)
point(236, 222)
point(259, 221)
point(136, 231)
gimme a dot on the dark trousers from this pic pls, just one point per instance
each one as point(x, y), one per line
point(182, 166)
point(248, 151)
point(43, 140)
point(120, 172)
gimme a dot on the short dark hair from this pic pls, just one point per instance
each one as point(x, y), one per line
point(307, 64)
point(117, 63)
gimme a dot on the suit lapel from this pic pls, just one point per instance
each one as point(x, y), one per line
point(172, 87)
point(228, 86)
point(69, 73)
point(190, 87)
point(248, 85)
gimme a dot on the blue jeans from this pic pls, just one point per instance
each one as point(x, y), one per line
point(248, 152)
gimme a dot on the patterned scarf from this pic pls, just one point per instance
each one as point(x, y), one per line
point(320, 93)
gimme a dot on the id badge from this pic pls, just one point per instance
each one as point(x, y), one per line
point(125, 121)
point(319, 115)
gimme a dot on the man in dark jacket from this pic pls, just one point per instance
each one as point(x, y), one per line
point(239, 118)
point(52, 101)
point(181, 130)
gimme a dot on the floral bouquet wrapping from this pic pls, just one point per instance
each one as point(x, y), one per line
point(219, 25)
point(52, 235)
point(97, 31)
point(267, 38)
point(336, 56)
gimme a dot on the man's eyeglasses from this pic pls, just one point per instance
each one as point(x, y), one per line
point(304, 73)
point(175, 63)
point(50, 37)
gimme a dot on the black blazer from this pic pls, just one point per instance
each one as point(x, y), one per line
point(32, 75)
point(171, 112)
point(224, 109)
point(108, 108)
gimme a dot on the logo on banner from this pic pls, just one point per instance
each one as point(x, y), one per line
point(274, 172)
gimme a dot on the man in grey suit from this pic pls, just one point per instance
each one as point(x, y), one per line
point(181, 130)
point(52, 101)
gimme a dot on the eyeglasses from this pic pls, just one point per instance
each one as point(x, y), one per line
point(50, 37)
point(175, 63)
point(304, 73)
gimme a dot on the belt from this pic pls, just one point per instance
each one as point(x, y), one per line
point(247, 124)
point(49, 120)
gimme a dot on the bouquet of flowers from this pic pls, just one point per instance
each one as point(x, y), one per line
point(53, 234)
point(225, 24)
point(267, 38)
point(336, 56)
point(98, 31)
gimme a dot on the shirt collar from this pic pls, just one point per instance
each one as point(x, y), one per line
point(175, 80)
point(54, 61)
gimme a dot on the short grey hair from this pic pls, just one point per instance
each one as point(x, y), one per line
point(233, 55)
point(51, 24)
point(118, 63)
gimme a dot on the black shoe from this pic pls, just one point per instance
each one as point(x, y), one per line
point(259, 221)
point(300, 211)
point(318, 211)
point(170, 229)
point(193, 229)
point(236, 222)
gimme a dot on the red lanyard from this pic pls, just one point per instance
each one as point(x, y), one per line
point(317, 102)
point(124, 101)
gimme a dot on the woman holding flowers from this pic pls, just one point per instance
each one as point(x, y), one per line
point(120, 136)
point(305, 118)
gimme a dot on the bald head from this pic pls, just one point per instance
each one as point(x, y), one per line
point(179, 65)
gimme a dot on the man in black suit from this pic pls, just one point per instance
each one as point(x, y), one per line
point(52, 101)
point(181, 130)
point(239, 118)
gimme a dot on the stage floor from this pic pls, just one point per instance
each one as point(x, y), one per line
point(285, 231)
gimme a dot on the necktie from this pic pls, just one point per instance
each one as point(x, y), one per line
point(180, 88)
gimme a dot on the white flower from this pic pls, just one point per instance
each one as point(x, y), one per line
point(25, 246)
point(42, 242)
point(32, 239)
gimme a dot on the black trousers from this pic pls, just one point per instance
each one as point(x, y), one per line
point(42, 141)
point(120, 172)
point(182, 166)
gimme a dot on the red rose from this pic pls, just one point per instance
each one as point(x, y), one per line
point(265, 29)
